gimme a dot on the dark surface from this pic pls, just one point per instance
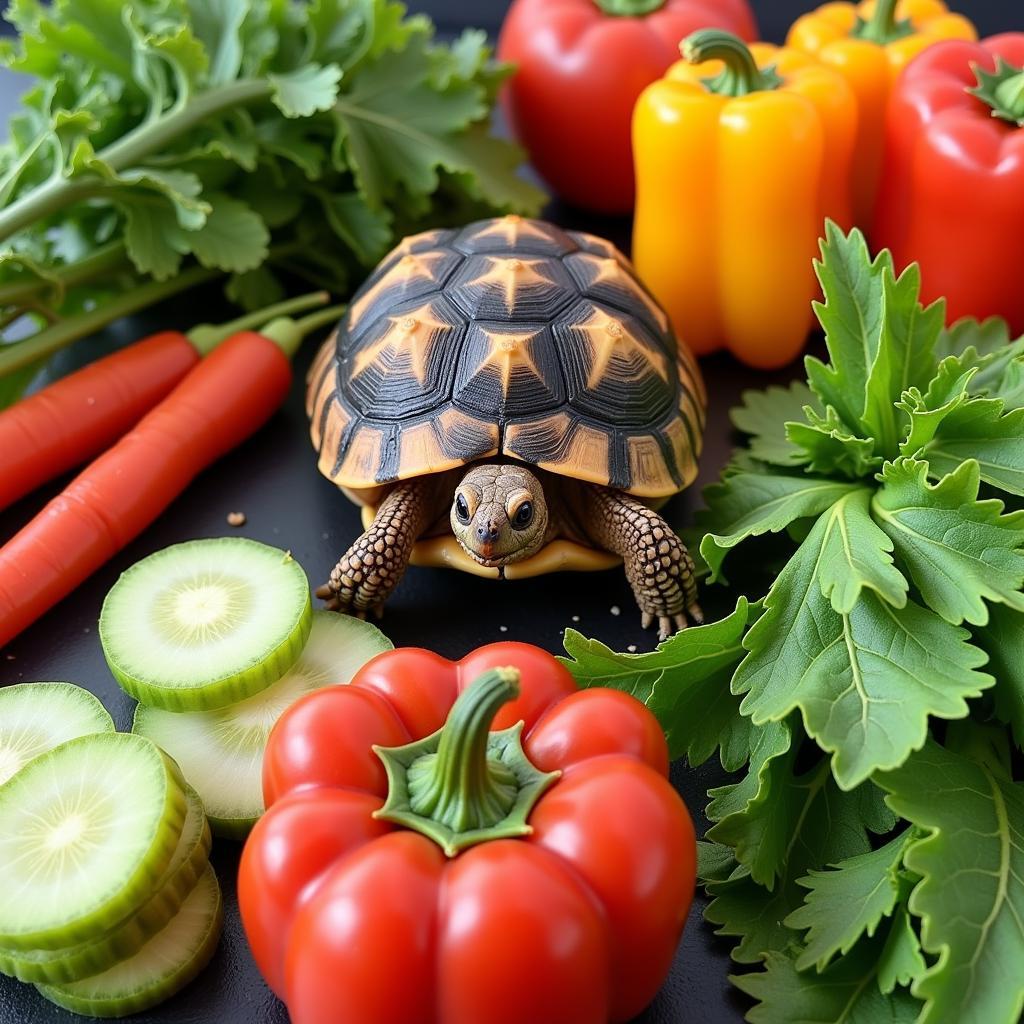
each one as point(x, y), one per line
point(273, 479)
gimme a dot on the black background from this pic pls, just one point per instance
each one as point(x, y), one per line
point(273, 479)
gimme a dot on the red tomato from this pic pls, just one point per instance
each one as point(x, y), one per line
point(580, 70)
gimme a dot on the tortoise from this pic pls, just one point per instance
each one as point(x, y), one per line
point(508, 398)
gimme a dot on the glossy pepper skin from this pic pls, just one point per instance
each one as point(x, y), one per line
point(952, 195)
point(869, 44)
point(738, 167)
point(571, 919)
point(581, 67)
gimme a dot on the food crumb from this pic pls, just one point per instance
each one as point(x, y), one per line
point(504, 629)
point(236, 519)
point(9, 657)
point(575, 618)
point(325, 535)
point(616, 610)
point(631, 648)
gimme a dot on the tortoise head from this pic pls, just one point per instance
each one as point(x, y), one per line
point(499, 514)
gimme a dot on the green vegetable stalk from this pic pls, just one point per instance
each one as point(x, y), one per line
point(869, 864)
point(171, 140)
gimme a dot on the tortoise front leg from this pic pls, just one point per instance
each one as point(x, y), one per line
point(658, 566)
point(373, 566)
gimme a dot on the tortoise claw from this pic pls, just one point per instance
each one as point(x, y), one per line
point(324, 593)
point(646, 620)
point(696, 613)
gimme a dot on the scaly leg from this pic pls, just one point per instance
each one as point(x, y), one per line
point(373, 566)
point(658, 566)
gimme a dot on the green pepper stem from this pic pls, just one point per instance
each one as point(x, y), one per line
point(1010, 97)
point(882, 27)
point(629, 8)
point(459, 786)
point(1001, 90)
point(741, 76)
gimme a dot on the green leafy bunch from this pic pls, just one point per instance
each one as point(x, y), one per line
point(870, 861)
point(250, 137)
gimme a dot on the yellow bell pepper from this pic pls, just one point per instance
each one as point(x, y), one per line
point(739, 162)
point(870, 44)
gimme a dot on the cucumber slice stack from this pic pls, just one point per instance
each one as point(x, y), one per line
point(108, 901)
point(221, 752)
point(216, 639)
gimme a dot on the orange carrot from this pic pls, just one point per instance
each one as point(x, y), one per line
point(81, 415)
point(224, 400)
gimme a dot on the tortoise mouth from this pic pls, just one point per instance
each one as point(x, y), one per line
point(486, 555)
point(487, 558)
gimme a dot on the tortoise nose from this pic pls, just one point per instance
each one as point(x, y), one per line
point(488, 533)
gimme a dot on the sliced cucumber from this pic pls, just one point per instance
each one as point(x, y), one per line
point(221, 752)
point(204, 624)
point(36, 717)
point(60, 966)
point(86, 831)
point(163, 966)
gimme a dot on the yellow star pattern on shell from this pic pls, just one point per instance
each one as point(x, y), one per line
point(608, 338)
point(411, 267)
point(511, 275)
point(609, 271)
point(508, 351)
point(511, 229)
point(411, 335)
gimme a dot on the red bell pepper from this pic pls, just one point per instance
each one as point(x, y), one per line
point(953, 191)
point(415, 866)
point(582, 64)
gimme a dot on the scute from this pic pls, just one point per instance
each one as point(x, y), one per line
point(511, 288)
point(514, 234)
point(605, 278)
point(400, 278)
point(616, 369)
point(512, 370)
point(507, 337)
point(404, 364)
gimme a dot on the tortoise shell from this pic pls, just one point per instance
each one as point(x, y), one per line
point(512, 338)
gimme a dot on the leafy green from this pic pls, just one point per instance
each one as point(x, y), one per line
point(757, 914)
point(971, 893)
point(900, 962)
point(893, 481)
point(982, 430)
point(960, 551)
point(866, 680)
point(764, 415)
point(829, 447)
point(853, 317)
point(748, 505)
point(685, 683)
point(298, 136)
point(905, 356)
point(847, 902)
point(845, 993)
point(1003, 640)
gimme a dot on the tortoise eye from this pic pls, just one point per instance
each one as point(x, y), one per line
point(524, 516)
point(461, 509)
